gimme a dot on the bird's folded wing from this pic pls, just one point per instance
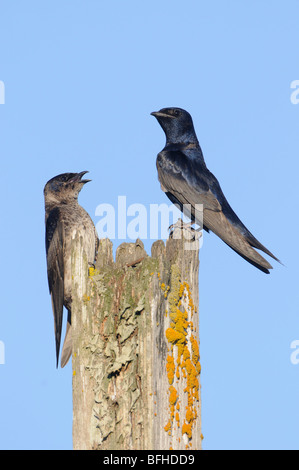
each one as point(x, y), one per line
point(55, 266)
point(181, 177)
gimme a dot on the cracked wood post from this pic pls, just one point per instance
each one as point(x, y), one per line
point(136, 362)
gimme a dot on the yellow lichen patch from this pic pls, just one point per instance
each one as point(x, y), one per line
point(170, 369)
point(168, 426)
point(93, 271)
point(173, 395)
point(195, 354)
point(175, 337)
point(187, 429)
point(184, 347)
point(192, 383)
point(86, 298)
point(190, 416)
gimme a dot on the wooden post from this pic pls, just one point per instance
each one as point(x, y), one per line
point(136, 361)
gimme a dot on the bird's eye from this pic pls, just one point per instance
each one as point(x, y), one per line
point(176, 112)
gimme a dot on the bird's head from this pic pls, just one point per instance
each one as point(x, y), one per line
point(177, 125)
point(64, 188)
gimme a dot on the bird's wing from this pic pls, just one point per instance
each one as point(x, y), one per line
point(190, 183)
point(180, 177)
point(55, 266)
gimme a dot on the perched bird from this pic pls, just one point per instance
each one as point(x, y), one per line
point(186, 180)
point(64, 219)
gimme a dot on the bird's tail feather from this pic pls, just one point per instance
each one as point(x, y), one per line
point(218, 223)
point(256, 244)
point(67, 345)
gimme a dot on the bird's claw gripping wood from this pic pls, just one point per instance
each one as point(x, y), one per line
point(182, 229)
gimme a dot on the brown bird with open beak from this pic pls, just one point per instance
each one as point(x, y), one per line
point(64, 219)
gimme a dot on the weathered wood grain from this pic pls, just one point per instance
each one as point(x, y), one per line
point(136, 363)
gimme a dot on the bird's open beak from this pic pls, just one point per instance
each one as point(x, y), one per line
point(79, 176)
point(158, 114)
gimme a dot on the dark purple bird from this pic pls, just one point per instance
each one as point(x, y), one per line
point(186, 180)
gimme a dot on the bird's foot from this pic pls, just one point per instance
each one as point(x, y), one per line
point(189, 232)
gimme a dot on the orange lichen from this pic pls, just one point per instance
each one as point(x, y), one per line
point(185, 345)
point(195, 353)
point(173, 395)
point(187, 429)
point(170, 369)
point(190, 415)
point(173, 336)
point(168, 426)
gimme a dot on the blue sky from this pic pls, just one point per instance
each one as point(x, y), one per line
point(81, 79)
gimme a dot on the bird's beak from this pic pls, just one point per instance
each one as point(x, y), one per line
point(158, 114)
point(79, 176)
